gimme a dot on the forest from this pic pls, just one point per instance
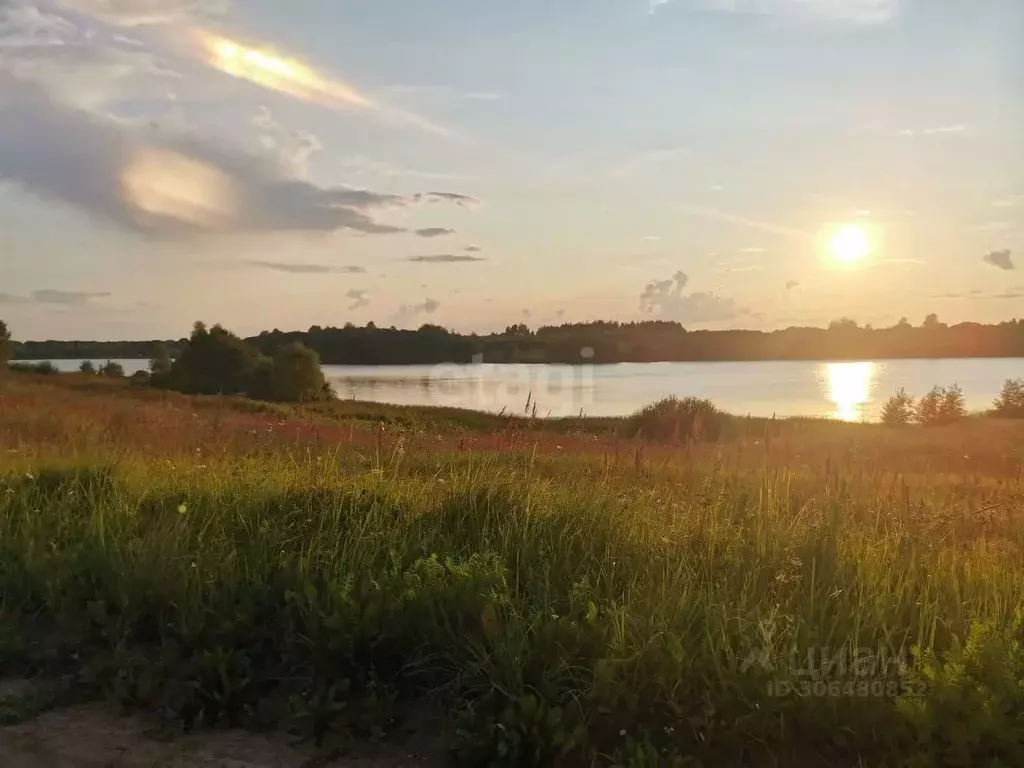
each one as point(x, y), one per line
point(596, 342)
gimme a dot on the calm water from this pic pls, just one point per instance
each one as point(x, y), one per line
point(850, 391)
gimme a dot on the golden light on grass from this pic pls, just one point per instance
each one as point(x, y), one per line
point(276, 72)
point(164, 183)
point(849, 244)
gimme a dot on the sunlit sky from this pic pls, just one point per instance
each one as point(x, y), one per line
point(476, 163)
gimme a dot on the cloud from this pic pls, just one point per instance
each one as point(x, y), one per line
point(850, 11)
point(293, 148)
point(53, 296)
point(939, 130)
point(444, 258)
point(753, 250)
point(1002, 259)
point(1011, 201)
point(472, 249)
point(164, 185)
point(791, 284)
point(407, 312)
point(714, 214)
point(305, 269)
point(137, 13)
point(434, 232)
point(71, 298)
point(666, 299)
point(358, 298)
point(993, 226)
point(446, 197)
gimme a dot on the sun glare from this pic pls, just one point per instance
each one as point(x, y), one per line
point(270, 70)
point(849, 244)
point(849, 387)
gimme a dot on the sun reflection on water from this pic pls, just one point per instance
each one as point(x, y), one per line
point(849, 388)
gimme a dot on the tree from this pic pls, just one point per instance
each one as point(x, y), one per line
point(160, 363)
point(929, 407)
point(212, 362)
point(112, 369)
point(953, 406)
point(293, 376)
point(898, 409)
point(931, 322)
point(87, 367)
point(1010, 402)
point(943, 405)
point(6, 346)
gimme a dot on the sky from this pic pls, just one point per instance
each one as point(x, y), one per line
point(478, 163)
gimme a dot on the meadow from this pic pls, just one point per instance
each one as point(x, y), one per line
point(793, 593)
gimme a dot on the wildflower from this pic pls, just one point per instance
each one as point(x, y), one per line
point(622, 732)
point(182, 509)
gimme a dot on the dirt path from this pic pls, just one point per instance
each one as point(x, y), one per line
point(90, 737)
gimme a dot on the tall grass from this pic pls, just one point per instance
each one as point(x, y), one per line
point(563, 609)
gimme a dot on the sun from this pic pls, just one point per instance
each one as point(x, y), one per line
point(849, 244)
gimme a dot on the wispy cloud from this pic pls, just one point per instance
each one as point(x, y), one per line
point(852, 11)
point(714, 214)
point(939, 130)
point(305, 269)
point(434, 232)
point(444, 258)
point(447, 197)
point(1011, 201)
point(358, 298)
point(54, 296)
point(1001, 259)
point(408, 312)
point(791, 284)
point(472, 249)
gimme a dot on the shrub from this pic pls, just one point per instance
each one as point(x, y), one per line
point(953, 406)
point(213, 362)
point(293, 376)
point(898, 409)
point(1010, 402)
point(943, 405)
point(140, 378)
point(674, 419)
point(45, 368)
point(160, 364)
point(112, 369)
point(87, 367)
point(6, 346)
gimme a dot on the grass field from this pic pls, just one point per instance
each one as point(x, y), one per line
point(800, 593)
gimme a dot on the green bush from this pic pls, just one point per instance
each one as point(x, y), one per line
point(673, 419)
point(943, 405)
point(113, 370)
point(45, 368)
point(293, 376)
point(898, 409)
point(87, 367)
point(6, 346)
point(213, 362)
point(1010, 402)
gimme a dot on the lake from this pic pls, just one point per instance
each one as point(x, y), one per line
point(851, 391)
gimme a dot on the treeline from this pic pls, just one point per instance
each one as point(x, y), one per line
point(598, 342)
